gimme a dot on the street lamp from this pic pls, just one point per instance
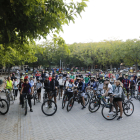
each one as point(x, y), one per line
point(62, 66)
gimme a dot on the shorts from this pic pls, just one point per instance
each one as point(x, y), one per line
point(69, 94)
point(39, 90)
point(83, 94)
point(117, 99)
point(127, 89)
point(109, 94)
point(53, 93)
point(61, 87)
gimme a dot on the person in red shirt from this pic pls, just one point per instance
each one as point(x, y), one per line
point(37, 75)
point(50, 77)
point(26, 77)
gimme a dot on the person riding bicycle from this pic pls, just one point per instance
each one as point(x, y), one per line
point(72, 76)
point(118, 97)
point(53, 87)
point(108, 90)
point(92, 84)
point(81, 88)
point(126, 84)
point(100, 83)
point(9, 85)
point(26, 89)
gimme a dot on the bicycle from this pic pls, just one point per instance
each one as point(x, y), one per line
point(49, 107)
point(127, 107)
point(4, 107)
point(78, 98)
point(9, 95)
point(66, 97)
point(26, 96)
point(97, 101)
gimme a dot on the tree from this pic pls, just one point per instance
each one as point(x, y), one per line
point(23, 21)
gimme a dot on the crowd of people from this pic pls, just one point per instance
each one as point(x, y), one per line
point(64, 82)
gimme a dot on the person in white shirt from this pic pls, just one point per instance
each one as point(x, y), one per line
point(61, 85)
point(108, 91)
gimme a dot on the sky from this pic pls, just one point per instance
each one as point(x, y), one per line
point(104, 20)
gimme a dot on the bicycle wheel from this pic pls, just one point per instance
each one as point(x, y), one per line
point(65, 98)
point(49, 107)
point(25, 107)
point(70, 104)
point(94, 106)
point(107, 109)
point(4, 107)
point(128, 108)
point(87, 99)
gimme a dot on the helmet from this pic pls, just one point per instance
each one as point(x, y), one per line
point(106, 79)
point(126, 74)
point(101, 76)
point(31, 76)
point(86, 74)
point(78, 78)
point(92, 76)
point(26, 73)
point(71, 80)
point(60, 75)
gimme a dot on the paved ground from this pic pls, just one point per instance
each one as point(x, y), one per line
point(74, 125)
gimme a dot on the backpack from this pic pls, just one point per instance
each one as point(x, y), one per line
point(123, 95)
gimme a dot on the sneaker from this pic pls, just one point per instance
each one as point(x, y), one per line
point(31, 110)
point(46, 106)
point(111, 113)
point(83, 107)
point(119, 118)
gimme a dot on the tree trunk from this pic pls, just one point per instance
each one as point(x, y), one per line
point(136, 65)
point(94, 69)
point(8, 69)
point(91, 68)
point(110, 67)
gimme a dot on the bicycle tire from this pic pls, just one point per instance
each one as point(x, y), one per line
point(70, 104)
point(126, 108)
point(88, 99)
point(95, 102)
point(64, 100)
point(49, 103)
point(105, 112)
point(25, 107)
point(2, 105)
